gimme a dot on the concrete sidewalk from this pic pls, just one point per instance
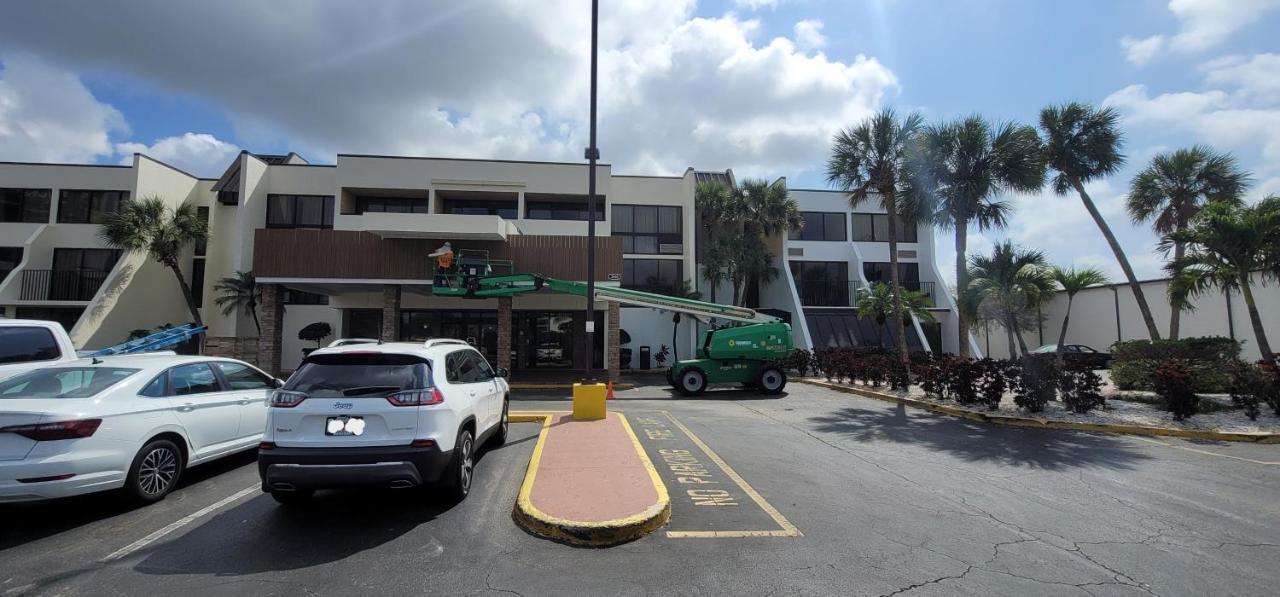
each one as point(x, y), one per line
point(590, 483)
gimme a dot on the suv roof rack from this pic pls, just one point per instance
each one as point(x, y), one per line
point(442, 341)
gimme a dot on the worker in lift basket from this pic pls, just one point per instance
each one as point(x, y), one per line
point(444, 263)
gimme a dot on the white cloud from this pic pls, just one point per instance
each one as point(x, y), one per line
point(758, 4)
point(1257, 76)
point(412, 78)
point(809, 34)
point(1141, 51)
point(201, 154)
point(1215, 116)
point(1202, 24)
point(47, 114)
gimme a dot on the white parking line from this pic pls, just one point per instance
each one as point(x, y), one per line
point(184, 521)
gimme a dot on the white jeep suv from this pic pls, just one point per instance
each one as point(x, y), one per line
point(391, 415)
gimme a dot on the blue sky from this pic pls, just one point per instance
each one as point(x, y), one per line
point(755, 85)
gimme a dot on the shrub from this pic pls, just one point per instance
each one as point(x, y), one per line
point(1255, 385)
point(315, 332)
point(1134, 361)
point(899, 376)
point(800, 361)
point(1037, 384)
point(931, 377)
point(997, 377)
point(962, 383)
point(1081, 389)
point(1173, 383)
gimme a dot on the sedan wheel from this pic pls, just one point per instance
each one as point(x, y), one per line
point(155, 471)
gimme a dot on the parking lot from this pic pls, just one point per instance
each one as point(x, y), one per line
point(813, 493)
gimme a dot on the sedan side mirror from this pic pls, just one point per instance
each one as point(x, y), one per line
point(502, 372)
point(279, 383)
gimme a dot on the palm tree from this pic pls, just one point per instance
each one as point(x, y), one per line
point(717, 210)
point(239, 292)
point(969, 163)
point(148, 225)
point(1225, 245)
point(876, 303)
point(1072, 281)
point(767, 207)
point(875, 157)
point(1082, 143)
point(742, 257)
point(1013, 281)
point(1175, 186)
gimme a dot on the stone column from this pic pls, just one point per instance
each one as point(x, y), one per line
point(613, 356)
point(504, 333)
point(390, 313)
point(271, 342)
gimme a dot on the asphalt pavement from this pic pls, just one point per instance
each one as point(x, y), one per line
point(811, 493)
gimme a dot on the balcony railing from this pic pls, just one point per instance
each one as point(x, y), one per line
point(61, 285)
point(844, 293)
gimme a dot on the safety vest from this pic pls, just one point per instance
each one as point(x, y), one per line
point(445, 260)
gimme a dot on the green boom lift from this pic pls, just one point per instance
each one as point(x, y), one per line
point(747, 354)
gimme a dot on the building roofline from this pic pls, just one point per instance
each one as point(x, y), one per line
point(64, 164)
point(167, 165)
point(306, 165)
point(443, 159)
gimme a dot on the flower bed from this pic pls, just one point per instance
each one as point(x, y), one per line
point(1113, 412)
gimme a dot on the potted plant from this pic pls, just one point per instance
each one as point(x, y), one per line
point(661, 357)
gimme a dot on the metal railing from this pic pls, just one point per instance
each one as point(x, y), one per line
point(61, 285)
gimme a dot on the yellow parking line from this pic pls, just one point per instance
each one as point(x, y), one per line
point(1206, 452)
point(787, 530)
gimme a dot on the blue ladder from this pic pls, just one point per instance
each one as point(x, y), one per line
point(153, 342)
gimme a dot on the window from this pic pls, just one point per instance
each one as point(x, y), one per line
point(460, 367)
point(202, 214)
point(875, 228)
point(821, 283)
point(908, 273)
point(67, 316)
point(88, 207)
point(561, 207)
point(349, 375)
point(399, 205)
point(155, 389)
point(299, 211)
point(821, 226)
point(649, 229)
point(24, 344)
point(244, 377)
point(662, 276)
point(10, 257)
point(97, 260)
point(63, 382)
point(298, 297)
point(197, 281)
point(471, 207)
point(24, 205)
point(196, 378)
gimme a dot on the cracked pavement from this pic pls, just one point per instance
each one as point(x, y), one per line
point(890, 502)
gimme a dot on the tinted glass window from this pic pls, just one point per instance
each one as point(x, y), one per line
point(155, 389)
point(24, 205)
point(649, 229)
point(63, 382)
point(25, 344)
point(301, 211)
point(662, 276)
point(482, 371)
point(466, 371)
point(820, 226)
point(196, 378)
point(875, 228)
point(88, 207)
point(244, 377)
point(355, 375)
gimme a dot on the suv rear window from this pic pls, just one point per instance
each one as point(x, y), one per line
point(22, 344)
point(352, 375)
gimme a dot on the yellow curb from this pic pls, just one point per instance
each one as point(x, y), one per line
point(561, 386)
point(596, 533)
point(1012, 421)
point(532, 416)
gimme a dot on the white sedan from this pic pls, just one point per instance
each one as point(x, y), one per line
point(131, 422)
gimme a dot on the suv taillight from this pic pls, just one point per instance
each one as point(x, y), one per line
point(416, 397)
point(286, 398)
point(47, 432)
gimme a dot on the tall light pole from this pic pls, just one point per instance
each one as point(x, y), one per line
point(592, 154)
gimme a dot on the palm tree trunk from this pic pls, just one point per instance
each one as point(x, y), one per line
point(1152, 332)
point(186, 292)
point(1008, 330)
point(253, 311)
point(962, 282)
point(1175, 312)
point(1062, 334)
point(1259, 334)
point(891, 206)
point(1022, 342)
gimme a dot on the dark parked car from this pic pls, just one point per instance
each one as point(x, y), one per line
point(1078, 354)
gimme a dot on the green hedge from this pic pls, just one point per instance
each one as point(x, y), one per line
point(1134, 361)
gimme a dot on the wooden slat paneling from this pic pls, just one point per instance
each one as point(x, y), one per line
point(283, 253)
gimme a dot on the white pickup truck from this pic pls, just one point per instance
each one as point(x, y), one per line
point(27, 344)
